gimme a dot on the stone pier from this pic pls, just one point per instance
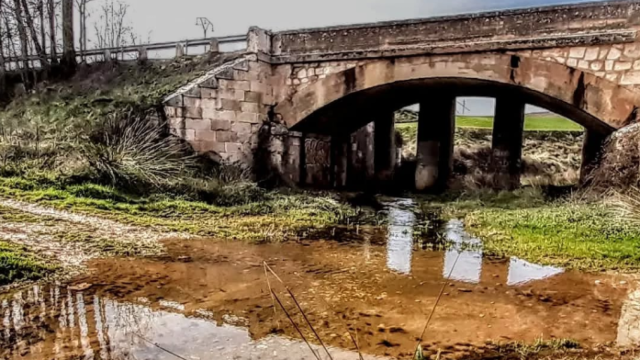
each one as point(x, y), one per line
point(591, 148)
point(506, 154)
point(385, 148)
point(436, 126)
point(340, 159)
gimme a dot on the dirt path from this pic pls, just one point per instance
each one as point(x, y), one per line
point(72, 238)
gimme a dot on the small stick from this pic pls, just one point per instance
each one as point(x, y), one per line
point(294, 325)
point(300, 309)
point(275, 312)
point(159, 347)
point(439, 297)
point(355, 342)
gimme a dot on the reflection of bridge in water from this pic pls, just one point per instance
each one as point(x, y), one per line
point(465, 252)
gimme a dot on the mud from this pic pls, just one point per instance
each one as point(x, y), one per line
point(209, 299)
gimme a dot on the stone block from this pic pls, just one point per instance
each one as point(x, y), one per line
point(241, 128)
point(226, 136)
point(251, 118)
point(302, 73)
point(191, 102)
point(193, 91)
point(208, 93)
point(592, 54)
point(614, 54)
point(252, 96)
point(622, 65)
point(197, 124)
point(612, 77)
point(572, 62)
point(205, 135)
point(209, 103)
point(561, 60)
point(577, 52)
point(583, 64)
point(188, 134)
point(210, 84)
point(220, 125)
point(176, 123)
point(630, 78)
point(608, 65)
point(231, 94)
point(219, 115)
point(207, 146)
point(193, 112)
point(172, 112)
point(636, 65)
point(234, 85)
point(632, 50)
point(258, 86)
point(228, 104)
point(596, 65)
point(250, 107)
point(603, 53)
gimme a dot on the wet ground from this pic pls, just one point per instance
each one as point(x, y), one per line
point(209, 299)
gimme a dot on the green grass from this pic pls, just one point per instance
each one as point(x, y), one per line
point(572, 235)
point(274, 217)
point(17, 264)
point(532, 123)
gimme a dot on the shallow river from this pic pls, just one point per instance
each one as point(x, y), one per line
point(209, 299)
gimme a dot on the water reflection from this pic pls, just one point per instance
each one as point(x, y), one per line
point(400, 236)
point(463, 260)
point(89, 326)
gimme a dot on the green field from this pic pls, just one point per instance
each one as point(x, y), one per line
point(532, 123)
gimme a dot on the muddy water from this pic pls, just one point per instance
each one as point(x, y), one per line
point(209, 299)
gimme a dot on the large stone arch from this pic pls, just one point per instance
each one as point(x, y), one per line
point(594, 102)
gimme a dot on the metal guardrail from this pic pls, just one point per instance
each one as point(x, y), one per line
point(143, 49)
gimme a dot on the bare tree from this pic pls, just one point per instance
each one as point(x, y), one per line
point(34, 34)
point(112, 31)
point(69, 52)
point(2, 69)
point(84, 15)
point(51, 9)
point(22, 34)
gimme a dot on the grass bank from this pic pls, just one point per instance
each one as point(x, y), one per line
point(570, 233)
point(18, 263)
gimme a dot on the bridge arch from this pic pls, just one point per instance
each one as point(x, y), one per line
point(345, 101)
point(594, 102)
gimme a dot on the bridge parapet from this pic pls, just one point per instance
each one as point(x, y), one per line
point(548, 27)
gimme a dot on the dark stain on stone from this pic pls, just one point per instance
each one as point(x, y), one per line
point(350, 79)
point(633, 116)
point(515, 64)
point(578, 93)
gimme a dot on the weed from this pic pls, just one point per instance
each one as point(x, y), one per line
point(17, 264)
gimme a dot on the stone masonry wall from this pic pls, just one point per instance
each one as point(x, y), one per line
point(619, 63)
point(221, 113)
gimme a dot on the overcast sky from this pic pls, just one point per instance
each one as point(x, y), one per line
point(167, 20)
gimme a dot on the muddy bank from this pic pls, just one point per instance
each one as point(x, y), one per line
point(380, 289)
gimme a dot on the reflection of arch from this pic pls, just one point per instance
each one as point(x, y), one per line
point(382, 85)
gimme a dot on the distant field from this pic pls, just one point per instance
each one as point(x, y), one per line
point(531, 123)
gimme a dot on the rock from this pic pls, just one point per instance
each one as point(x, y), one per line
point(464, 290)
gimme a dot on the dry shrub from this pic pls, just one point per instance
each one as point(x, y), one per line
point(132, 150)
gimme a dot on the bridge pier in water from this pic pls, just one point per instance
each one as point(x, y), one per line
point(384, 148)
point(506, 152)
point(340, 153)
point(436, 127)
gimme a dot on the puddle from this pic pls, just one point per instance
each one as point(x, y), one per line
point(209, 299)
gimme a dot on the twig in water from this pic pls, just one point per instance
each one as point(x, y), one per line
point(295, 325)
point(159, 347)
point(275, 312)
point(299, 309)
point(439, 297)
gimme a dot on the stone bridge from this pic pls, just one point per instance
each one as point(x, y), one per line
point(315, 106)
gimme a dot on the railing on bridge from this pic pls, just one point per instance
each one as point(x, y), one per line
point(161, 50)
